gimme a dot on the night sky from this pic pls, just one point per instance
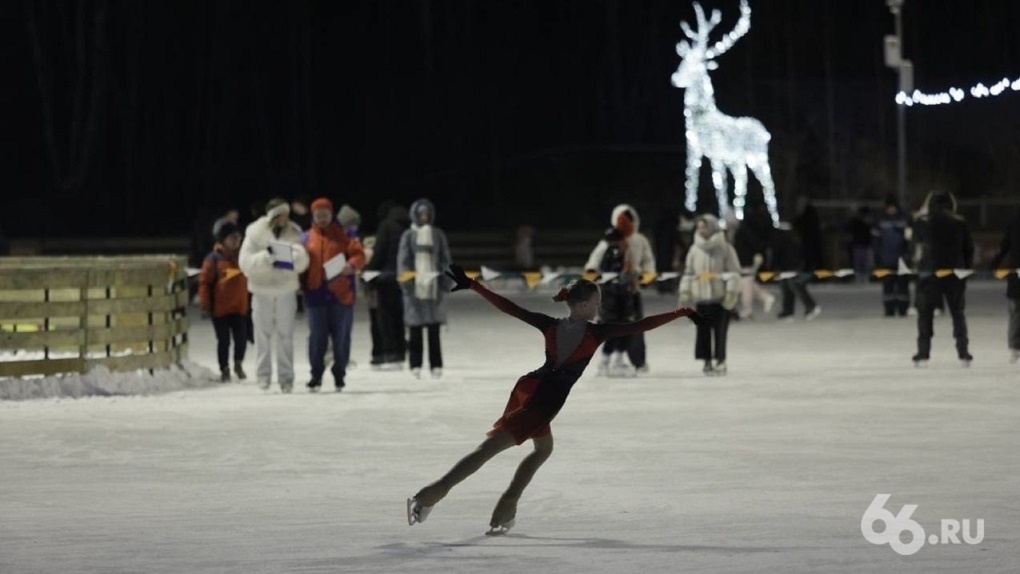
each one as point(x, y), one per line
point(129, 118)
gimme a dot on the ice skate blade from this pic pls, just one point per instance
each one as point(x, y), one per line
point(416, 514)
point(922, 364)
point(502, 529)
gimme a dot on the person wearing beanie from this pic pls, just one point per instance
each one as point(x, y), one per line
point(223, 296)
point(890, 241)
point(639, 260)
point(424, 251)
point(711, 281)
point(349, 219)
point(334, 259)
point(273, 281)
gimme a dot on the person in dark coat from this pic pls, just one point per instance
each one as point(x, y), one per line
point(809, 228)
point(942, 243)
point(389, 299)
point(786, 258)
point(890, 243)
point(1010, 247)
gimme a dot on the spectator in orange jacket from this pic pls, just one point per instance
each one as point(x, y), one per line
point(223, 294)
point(333, 258)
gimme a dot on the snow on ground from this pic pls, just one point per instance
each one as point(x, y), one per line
point(768, 469)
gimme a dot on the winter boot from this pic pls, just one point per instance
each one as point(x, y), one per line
point(239, 371)
point(961, 351)
point(923, 351)
point(314, 385)
point(224, 375)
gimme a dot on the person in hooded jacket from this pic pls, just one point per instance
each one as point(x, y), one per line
point(273, 283)
point(639, 259)
point(329, 301)
point(424, 251)
point(711, 281)
point(942, 242)
point(388, 295)
point(1010, 246)
point(223, 296)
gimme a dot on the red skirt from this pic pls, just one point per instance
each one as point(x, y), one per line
point(520, 418)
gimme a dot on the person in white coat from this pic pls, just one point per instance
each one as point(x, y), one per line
point(272, 258)
point(640, 259)
point(711, 281)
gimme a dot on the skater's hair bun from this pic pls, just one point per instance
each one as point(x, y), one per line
point(578, 291)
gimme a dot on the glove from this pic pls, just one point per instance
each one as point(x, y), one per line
point(460, 279)
point(729, 301)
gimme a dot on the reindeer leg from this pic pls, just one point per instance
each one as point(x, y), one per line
point(739, 171)
point(719, 181)
point(762, 171)
point(693, 173)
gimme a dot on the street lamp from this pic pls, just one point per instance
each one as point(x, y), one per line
point(905, 68)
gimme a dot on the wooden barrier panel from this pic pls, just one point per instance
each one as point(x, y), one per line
point(69, 314)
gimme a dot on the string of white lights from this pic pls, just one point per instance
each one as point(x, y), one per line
point(954, 95)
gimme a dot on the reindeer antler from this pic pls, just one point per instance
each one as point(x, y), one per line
point(741, 28)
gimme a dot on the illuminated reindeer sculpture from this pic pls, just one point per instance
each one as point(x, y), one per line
point(733, 144)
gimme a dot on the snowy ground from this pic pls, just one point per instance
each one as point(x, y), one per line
point(766, 470)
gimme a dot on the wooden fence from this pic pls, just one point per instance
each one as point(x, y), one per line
point(69, 314)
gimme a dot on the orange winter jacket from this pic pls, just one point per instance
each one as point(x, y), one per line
point(222, 288)
point(323, 245)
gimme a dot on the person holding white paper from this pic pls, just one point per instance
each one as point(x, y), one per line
point(329, 294)
point(272, 258)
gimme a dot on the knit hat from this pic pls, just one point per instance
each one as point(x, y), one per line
point(226, 230)
point(348, 216)
point(322, 203)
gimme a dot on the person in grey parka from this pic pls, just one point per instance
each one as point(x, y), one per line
point(424, 250)
point(711, 281)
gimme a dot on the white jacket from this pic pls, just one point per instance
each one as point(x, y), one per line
point(713, 255)
point(639, 250)
point(257, 264)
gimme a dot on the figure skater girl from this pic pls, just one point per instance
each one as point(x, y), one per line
point(537, 396)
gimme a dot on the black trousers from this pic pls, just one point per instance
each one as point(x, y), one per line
point(225, 326)
point(712, 330)
point(1014, 324)
point(930, 292)
point(414, 346)
point(896, 294)
point(390, 317)
point(636, 346)
point(792, 289)
point(377, 348)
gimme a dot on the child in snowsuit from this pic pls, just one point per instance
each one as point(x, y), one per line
point(223, 295)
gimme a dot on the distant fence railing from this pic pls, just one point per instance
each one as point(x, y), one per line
point(70, 314)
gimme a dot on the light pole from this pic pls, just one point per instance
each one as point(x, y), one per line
point(894, 59)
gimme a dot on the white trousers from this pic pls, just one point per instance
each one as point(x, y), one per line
point(274, 314)
point(749, 291)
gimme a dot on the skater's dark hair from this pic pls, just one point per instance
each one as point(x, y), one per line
point(577, 292)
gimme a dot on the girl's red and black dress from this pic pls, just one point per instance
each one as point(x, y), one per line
point(538, 396)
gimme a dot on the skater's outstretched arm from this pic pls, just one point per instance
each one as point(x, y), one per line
point(611, 330)
point(539, 321)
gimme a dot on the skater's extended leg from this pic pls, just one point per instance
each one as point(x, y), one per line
point(467, 466)
point(506, 508)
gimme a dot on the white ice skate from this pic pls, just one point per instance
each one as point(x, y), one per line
point(502, 528)
point(416, 513)
point(622, 368)
point(719, 369)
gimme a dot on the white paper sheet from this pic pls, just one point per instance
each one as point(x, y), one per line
point(334, 266)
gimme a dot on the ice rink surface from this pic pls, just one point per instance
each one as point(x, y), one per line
point(768, 469)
